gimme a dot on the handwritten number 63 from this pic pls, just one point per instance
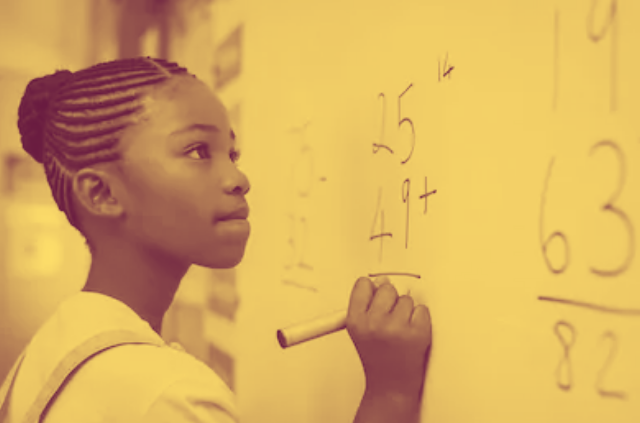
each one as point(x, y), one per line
point(608, 207)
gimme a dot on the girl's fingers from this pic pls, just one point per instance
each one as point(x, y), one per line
point(361, 295)
point(379, 280)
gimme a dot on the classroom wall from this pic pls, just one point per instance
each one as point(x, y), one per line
point(42, 258)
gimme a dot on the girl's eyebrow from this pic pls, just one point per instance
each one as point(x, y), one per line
point(201, 127)
point(196, 127)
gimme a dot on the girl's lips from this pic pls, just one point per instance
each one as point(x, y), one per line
point(240, 213)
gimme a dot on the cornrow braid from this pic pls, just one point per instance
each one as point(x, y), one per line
point(69, 121)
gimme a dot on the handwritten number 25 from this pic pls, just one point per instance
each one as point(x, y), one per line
point(401, 120)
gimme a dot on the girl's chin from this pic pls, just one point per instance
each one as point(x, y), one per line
point(226, 260)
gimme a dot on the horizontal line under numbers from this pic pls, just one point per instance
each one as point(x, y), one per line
point(592, 306)
point(413, 275)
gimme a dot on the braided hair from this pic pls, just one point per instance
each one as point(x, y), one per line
point(69, 121)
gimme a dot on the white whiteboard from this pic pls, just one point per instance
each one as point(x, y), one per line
point(526, 122)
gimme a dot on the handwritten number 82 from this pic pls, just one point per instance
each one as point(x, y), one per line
point(564, 372)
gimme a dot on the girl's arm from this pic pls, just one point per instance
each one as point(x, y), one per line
point(388, 408)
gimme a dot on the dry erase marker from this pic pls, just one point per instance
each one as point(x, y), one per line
point(312, 329)
point(318, 327)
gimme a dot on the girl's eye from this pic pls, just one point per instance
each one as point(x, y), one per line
point(199, 148)
point(234, 154)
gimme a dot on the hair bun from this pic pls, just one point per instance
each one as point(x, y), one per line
point(33, 110)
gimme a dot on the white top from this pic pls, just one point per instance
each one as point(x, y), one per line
point(128, 383)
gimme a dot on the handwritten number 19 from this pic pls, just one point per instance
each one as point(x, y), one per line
point(595, 33)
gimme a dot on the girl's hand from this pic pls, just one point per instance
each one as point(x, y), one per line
point(391, 336)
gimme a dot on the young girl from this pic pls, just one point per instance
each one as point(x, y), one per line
point(141, 158)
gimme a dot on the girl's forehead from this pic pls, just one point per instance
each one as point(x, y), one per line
point(188, 101)
point(176, 105)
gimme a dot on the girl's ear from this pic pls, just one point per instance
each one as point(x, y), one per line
point(95, 194)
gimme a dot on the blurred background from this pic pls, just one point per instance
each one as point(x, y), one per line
point(42, 258)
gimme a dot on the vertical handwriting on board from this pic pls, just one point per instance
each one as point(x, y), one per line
point(294, 245)
point(301, 262)
point(291, 241)
point(298, 241)
point(607, 207)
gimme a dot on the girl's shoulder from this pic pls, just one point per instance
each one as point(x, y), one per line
point(124, 380)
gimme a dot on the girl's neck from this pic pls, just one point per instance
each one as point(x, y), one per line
point(147, 288)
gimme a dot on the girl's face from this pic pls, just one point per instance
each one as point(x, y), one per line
point(180, 178)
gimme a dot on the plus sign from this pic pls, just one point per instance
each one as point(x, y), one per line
point(426, 194)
